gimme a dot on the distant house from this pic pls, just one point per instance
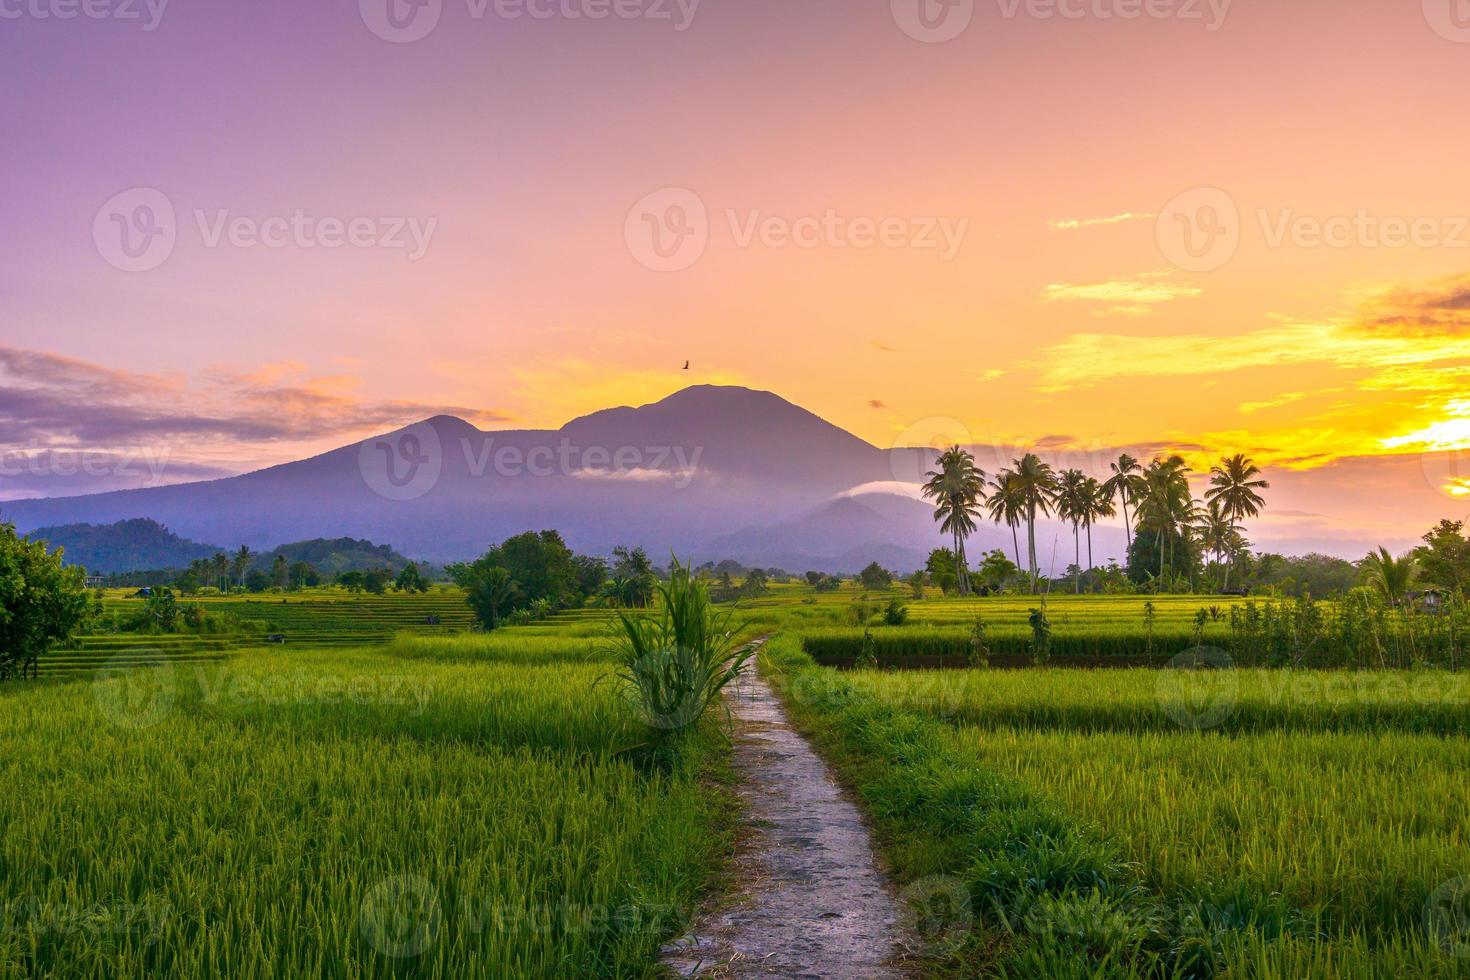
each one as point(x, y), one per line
point(1430, 601)
point(95, 581)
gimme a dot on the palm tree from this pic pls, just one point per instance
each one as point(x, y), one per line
point(1125, 486)
point(957, 488)
point(1099, 505)
point(240, 564)
point(1233, 486)
point(1166, 505)
point(1036, 484)
point(1216, 534)
point(1007, 505)
point(220, 566)
point(1073, 506)
point(1393, 577)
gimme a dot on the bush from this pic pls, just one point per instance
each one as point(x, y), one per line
point(675, 664)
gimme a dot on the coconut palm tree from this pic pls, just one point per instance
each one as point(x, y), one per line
point(1390, 576)
point(1007, 506)
point(1073, 506)
point(1036, 484)
point(1125, 486)
point(1166, 505)
point(1216, 535)
point(240, 564)
point(1233, 486)
point(1099, 506)
point(957, 488)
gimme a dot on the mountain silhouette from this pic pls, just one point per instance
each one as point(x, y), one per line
point(709, 466)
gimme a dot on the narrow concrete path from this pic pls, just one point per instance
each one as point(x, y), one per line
point(811, 901)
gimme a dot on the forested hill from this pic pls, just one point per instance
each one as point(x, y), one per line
point(127, 546)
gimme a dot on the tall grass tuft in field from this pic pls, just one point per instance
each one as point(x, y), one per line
point(675, 664)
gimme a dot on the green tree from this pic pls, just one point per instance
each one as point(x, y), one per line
point(941, 567)
point(756, 583)
point(1393, 578)
point(352, 581)
point(1007, 505)
point(957, 488)
point(876, 577)
point(1099, 506)
point(410, 579)
point(1124, 486)
point(240, 564)
point(1234, 486)
point(1036, 483)
point(632, 571)
point(303, 576)
point(42, 602)
point(1444, 558)
point(492, 594)
point(916, 583)
point(1072, 505)
point(377, 580)
point(280, 572)
point(996, 571)
point(1166, 509)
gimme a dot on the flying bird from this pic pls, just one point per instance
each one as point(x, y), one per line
point(686, 365)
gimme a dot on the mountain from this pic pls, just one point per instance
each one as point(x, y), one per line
point(702, 463)
point(127, 546)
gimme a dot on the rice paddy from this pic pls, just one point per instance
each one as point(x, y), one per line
point(480, 808)
point(393, 797)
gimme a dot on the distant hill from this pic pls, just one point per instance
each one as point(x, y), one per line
point(334, 556)
point(670, 476)
point(134, 545)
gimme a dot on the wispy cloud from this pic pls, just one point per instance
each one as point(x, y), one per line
point(1076, 224)
point(50, 402)
point(1124, 297)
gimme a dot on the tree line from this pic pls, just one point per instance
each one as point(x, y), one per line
point(1166, 528)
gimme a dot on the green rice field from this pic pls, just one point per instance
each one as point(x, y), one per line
point(384, 796)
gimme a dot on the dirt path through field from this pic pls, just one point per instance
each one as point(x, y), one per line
point(811, 899)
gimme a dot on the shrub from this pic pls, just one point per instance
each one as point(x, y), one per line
point(675, 664)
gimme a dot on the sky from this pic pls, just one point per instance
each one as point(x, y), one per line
point(236, 234)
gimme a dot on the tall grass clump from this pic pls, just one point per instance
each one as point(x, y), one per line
point(674, 664)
